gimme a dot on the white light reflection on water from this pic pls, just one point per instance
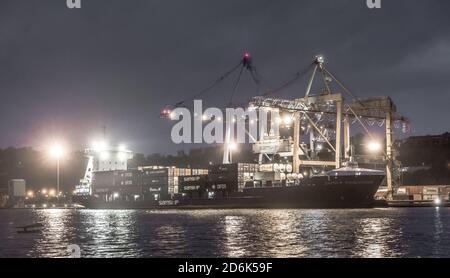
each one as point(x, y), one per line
point(416, 232)
point(280, 236)
point(110, 233)
point(372, 239)
point(57, 229)
point(438, 231)
point(233, 233)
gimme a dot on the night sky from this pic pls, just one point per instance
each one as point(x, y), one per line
point(66, 73)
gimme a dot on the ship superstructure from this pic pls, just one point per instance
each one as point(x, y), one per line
point(102, 158)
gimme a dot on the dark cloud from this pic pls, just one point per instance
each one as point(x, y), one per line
point(116, 63)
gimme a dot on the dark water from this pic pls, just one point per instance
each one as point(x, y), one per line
point(405, 232)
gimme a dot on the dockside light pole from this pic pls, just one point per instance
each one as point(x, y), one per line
point(57, 152)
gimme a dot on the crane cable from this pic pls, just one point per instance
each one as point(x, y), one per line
point(236, 85)
point(346, 90)
point(215, 83)
point(296, 77)
point(245, 63)
point(256, 79)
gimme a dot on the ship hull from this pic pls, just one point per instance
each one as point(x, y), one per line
point(317, 192)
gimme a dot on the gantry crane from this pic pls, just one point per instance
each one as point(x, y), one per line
point(307, 111)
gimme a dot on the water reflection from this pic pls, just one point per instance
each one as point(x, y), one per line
point(54, 238)
point(373, 237)
point(438, 231)
point(282, 238)
point(421, 232)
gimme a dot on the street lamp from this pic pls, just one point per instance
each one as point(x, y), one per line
point(287, 120)
point(30, 194)
point(57, 151)
point(52, 192)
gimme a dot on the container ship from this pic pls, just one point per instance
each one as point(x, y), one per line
point(227, 186)
point(305, 158)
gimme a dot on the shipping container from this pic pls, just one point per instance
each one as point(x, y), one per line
point(194, 185)
point(223, 168)
point(415, 190)
point(223, 177)
point(444, 190)
point(417, 197)
point(105, 179)
point(430, 197)
point(155, 172)
point(431, 190)
point(266, 176)
point(192, 179)
point(402, 197)
point(224, 186)
point(147, 180)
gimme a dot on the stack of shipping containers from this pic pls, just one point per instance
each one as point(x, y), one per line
point(160, 181)
point(155, 182)
point(104, 183)
point(230, 177)
point(194, 185)
point(113, 185)
point(129, 183)
point(148, 182)
point(423, 192)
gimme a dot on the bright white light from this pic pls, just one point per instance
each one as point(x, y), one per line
point(122, 156)
point(52, 192)
point(437, 201)
point(116, 195)
point(44, 191)
point(287, 119)
point(57, 151)
point(100, 146)
point(122, 148)
point(205, 117)
point(374, 146)
point(219, 119)
point(104, 155)
point(319, 147)
point(320, 59)
point(233, 146)
point(30, 194)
